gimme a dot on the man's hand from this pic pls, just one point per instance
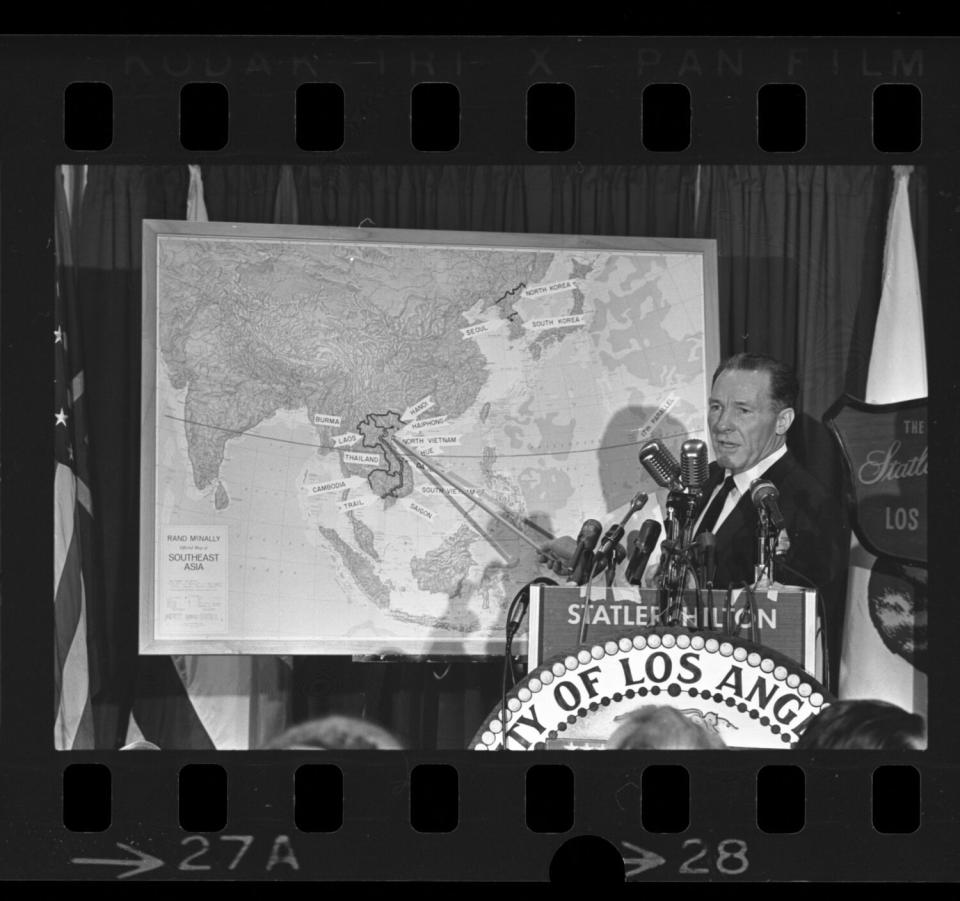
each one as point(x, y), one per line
point(557, 555)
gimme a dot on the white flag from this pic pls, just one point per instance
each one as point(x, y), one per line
point(869, 666)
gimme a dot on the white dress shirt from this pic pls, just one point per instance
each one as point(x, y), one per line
point(741, 483)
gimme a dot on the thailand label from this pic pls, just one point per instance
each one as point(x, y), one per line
point(361, 459)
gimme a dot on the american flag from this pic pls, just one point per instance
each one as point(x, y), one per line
point(72, 506)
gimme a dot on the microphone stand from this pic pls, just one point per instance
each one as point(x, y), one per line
point(766, 544)
point(520, 602)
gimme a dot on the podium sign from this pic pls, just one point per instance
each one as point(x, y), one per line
point(751, 696)
point(786, 619)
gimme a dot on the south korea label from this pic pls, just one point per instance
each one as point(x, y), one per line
point(537, 325)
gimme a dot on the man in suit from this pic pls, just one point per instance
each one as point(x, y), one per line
point(752, 406)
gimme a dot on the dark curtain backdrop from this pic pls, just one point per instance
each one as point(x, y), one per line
point(800, 261)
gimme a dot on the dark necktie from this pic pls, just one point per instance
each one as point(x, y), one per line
point(716, 505)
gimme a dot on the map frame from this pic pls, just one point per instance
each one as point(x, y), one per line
point(156, 229)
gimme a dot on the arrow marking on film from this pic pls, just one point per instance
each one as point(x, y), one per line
point(646, 860)
point(143, 864)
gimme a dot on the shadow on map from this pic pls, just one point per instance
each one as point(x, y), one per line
point(621, 476)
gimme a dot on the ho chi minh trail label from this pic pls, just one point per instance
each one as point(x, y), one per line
point(750, 696)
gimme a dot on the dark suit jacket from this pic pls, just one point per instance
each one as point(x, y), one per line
point(819, 540)
point(813, 522)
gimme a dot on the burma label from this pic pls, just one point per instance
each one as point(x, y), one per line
point(324, 419)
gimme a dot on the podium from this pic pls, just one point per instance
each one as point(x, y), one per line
point(751, 693)
point(786, 619)
point(747, 694)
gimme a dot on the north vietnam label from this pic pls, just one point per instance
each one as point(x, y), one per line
point(748, 695)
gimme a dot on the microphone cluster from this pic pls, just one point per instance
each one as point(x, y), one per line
point(685, 479)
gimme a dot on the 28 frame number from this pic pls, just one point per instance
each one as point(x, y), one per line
point(731, 857)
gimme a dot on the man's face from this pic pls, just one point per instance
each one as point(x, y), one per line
point(744, 424)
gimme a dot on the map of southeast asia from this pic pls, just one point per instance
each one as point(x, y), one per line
point(331, 415)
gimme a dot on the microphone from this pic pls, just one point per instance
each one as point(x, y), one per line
point(765, 497)
point(610, 563)
point(641, 547)
point(582, 564)
point(706, 544)
point(612, 539)
point(661, 464)
point(694, 469)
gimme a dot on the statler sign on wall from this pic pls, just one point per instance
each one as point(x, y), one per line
point(885, 451)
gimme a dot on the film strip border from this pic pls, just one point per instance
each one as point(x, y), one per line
point(614, 815)
point(493, 836)
point(606, 99)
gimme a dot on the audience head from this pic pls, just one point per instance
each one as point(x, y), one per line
point(664, 729)
point(336, 733)
point(863, 725)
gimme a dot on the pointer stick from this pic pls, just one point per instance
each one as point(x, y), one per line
point(486, 508)
point(483, 532)
point(460, 482)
